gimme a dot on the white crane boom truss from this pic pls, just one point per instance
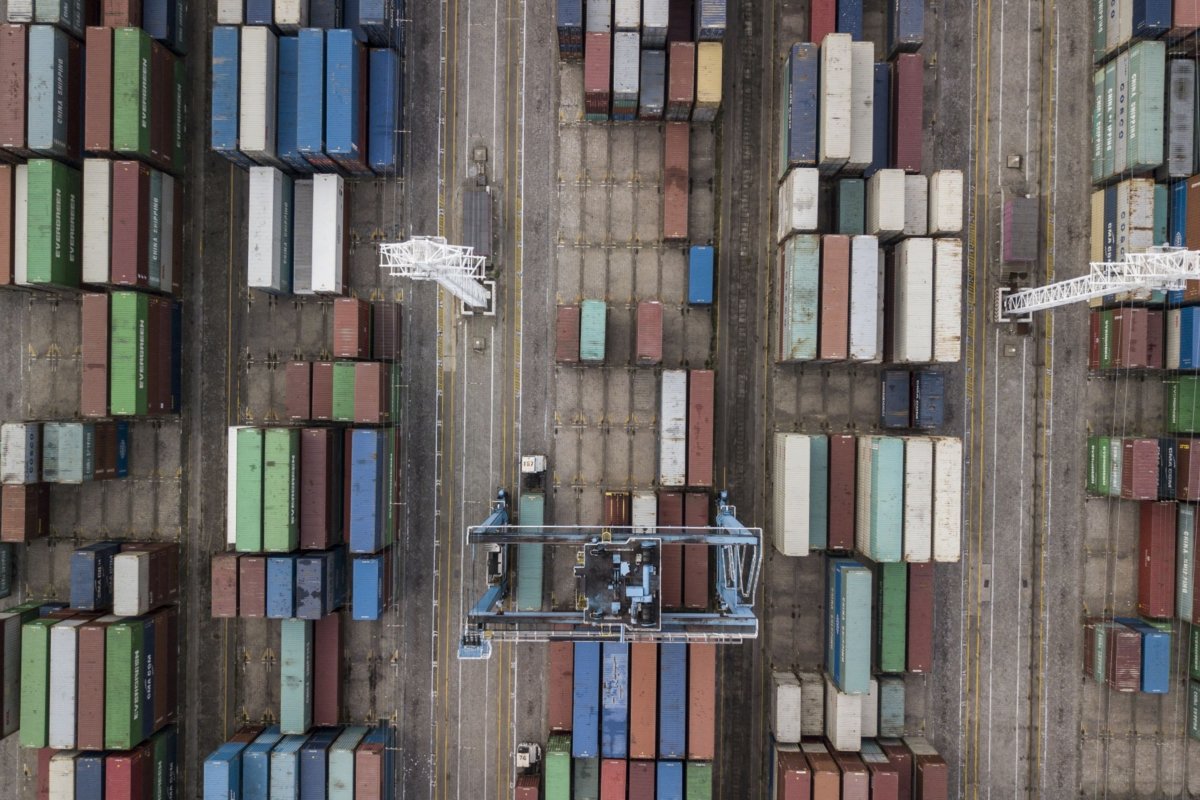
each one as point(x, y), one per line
point(454, 267)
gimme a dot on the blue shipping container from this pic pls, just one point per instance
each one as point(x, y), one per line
point(92, 576)
point(260, 12)
point(285, 767)
point(225, 70)
point(343, 101)
point(1178, 221)
point(160, 19)
point(672, 700)
point(287, 90)
point(585, 712)
point(223, 772)
point(335, 580)
point(848, 654)
point(929, 400)
point(281, 587)
point(256, 765)
point(1156, 655)
point(310, 115)
point(386, 106)
point(367, 587)
point(367, 449)
point(314, 763)
point(881, 129)
point(803, 61)
point(710, 20)
point(1151, 18)
point(312, 590)
point(1189, 337)
point(850, 18)
point(89, 776)
point(371, 21)
point(700, 275)
point(905, 26)
point(895, 398)
point(1168, 458)
point(614, 701)
point(386, 736)
point(325, 13)
point(670, 780)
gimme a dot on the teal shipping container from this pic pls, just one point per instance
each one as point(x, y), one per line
point(818, 492)
point(851, 205)
point(1098, 125)
point(891, 706)
point(281, 460)
point(530, 561)
point(285, 766)
point(295, 676)
point(1110, 117)
point(879, 519)
point(587, 779)
point(68, 452)
point(1147, 105)
point(341, 763)
point(592, 324)
point(850, 625)
point(800, 271)
point(248, 517)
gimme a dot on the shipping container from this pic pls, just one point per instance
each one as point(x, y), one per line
point(834, 138)
point(907, 102)
point(1156, 561)
point(865, 300)
point(284, 780)
point(675, 181)
point(614, 700)
point(708, 79)
point(929, 399)
point(92, 576)
point(7, 227)
point(947, 300)
point(20, 452)
point(930, 774)
point(785, 707)
point(701, 713)
point(799, 280)
point(649, 332)
point(891, 617)
point(672, 458)
point(310, 115)
point(916, 205)
point(14, 54)
point(835, 298)
point(696, 582)
point(585, 701)
point(281, 465)
point(669, 780)
point(269, 254)
point(655, 20)
point(386, 330)
point(592, 318)
point(918, 498)
point(792, 499)
point(896, 397)
point(710, 20)
point(24, 512)
point(919, 640)
point(841, 484)
point(798, 102)
point(54, 200)
point(1146, 100)
point(881, 121)
point(885, 204)
point(257, 98)
point(341, 762)
point(700, 275)
point(295, 676)
point(625, 74)
point(826, 777)
point(372, 387)
point(558, 766)
point(330, 246)
point(672, 694)
point(54, 98)
point(843, 717)
point(530, 557)
point(791, 778)
point(905, 26)
point(891, 706)
point(681, 81)
point(369, 499)
point(670, 515)
point(848, 626)
point(700, 428)
point(345, 102)
point(597, 68)
point(862, 89)
point(224, 573)
point(880, 498)
point(1139, 469)
point(560, 676)
point(256, 763)
point(818, 492)
point(570, 29)
point(566, 328)
point(371, 585)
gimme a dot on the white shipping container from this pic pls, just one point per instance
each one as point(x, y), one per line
point(60, 781)
point(20, 452)
point(947, 498)
point(843, 718)
point(1135, 216)
point(644, 512)
point(328, 233)
point(947, 300)
point(256, 101)
point(833, 130)
point(21, 225)
point(946, 202)
point(812, 703)
point(1173, 322)
point(599, 16)
point(626, 64)
point(97, 219)
point(1116, 454)
point(672, 452)
point(627, 15)
point(20, 11)
point(885, 203)
point(918, 498)
point(864, 299)
point(131, 583)
point(64, 649)
point(792, 484)
point(229, 12)
point(654, 23)
point(912, 334)
point(264, 260)
point(870, 711)
point(786, 707)
point(10, 692)
point(798, 202)
point(916, 205)
point(862, 98)
point(291, 15)
point(302, 236)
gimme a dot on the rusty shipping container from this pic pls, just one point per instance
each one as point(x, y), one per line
point(1139, 469)
point(559, 692)
point(649, 333)
point(14, 55)
point(566, 335)
point(97, 101)
point(834, 338)
point(641, 780)
point(695, 556)
point(1123, 667)
point(700, 428)
point(597, 72)
point(617, 508)
point(681, 81)
point(372, 393)
point(908, 109)
point(322, 390)
point(670, 515)
point(24, 511)
point(1156, 562)
point(252, 586)
point(7, 233)
point(613, 778)
point(298, 390)
point(643, 699)
point(826, 777)
point(93, 355)
point(351, 328)
point(920, 617)
point(884, 775)
point(386, 330)
point(843, 452)
point(224, 569)
point(327, 670)
point(130, 237)
point(855, 779)
point(1187, 474)
point(675, 181)
point(121, 13)
point(321, 466)
point(702, 702)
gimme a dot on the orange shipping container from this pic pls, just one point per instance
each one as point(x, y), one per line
point(612, 779)
point(702, 705)
point(643, 699)
point(826, 777)
point(559, 691)
point(834, 341)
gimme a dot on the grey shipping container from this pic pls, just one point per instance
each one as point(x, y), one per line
point(1181, 118)
point(477, 221)
point(653, 87)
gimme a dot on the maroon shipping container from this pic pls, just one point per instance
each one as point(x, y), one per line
point(24, 511)
point(566, 335)
point(122, 14)
point(164, 665)
point(617, 509)
point(931, 776)
point(372, 390)
point(247, 733)
point(649, 332)
point(834, 338)
point(675, 181)
point(130, 235)
point(856, 783)
point(321, 465)
point(386, 330)
point(125, 774)
point(322, 390)
point(702, 702)
point(700, 428)
point(1123, 669)
point(695, 556)
point(822, 20)
point(93, 352)
point(1192, 288)
point(670, 515)
point(6, 224)
point(97, 101)
point(1137, 334)
point(901, 758)
point(842, 459)
point(1094, 339)
point(793, 779)
point(885, 776)
point(1139, 469)
point(252, 586)
point(298, 390)
point(14, 46)
point(920, 617)
point(368, 772)
point(1187, 470)
point(641, 780)
point(89, 707)
point(528, 787)
point(224, 568)
point(597, 67)
point(158, 356)
point(351, 328)
point(826, 777)
point(43, 776)
point(162, 121)
point(327, 670)
point(559, 679)
point(1156, 561)
point(102, 456)
point(908, 104)
point(681, 80)
point(74, 99)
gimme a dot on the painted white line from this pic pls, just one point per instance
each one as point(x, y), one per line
point(991, 573)
point(462, 556)
point(1028, 70)
point(467, 115)
point(1020, 568)
point(520, 212)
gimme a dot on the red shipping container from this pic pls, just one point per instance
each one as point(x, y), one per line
point(43, 776)
point(681, 80)
point(1139, 338)
point(1155, 332)
point(641, 780)
point(7, 189)
point(1123, 670)
point(1187, 470)
point(617, 509)
point(1185, 19)
point(24, 511)
point(298, 390)
point(247, 733)
point(597, 69)
point(885, 776)
point(643, 699)
point(93, 355)
point(252, 586)
point(372, 393)
point(327, 670)
point(124, 775)
point(695, 556)
point(528, 787)
point(566, 335)
point(842, 460)
point(834, 339)
point(97, 101)
point(224, 585)
point(386, 327)
point(670, 515)
point(920, 617)
point(368, 773)
point(826, 777)
point(322, 390)
point(931, 776)
point(855, 780)
point(130, 237)
point(793, 780)
point(14, 46)
point(122, 13)
point(1156, 561)
point(675, 180)
point(700, 428)
point(559, 694)
point(321, 465)
point(908, 111)
point(702, 702)
point(612, 779)
point(89, 705)
point(1139, 469)
point(351, 328)
point(649, 333)
point(1094, 339)
point(901, 758)
point(822, 20)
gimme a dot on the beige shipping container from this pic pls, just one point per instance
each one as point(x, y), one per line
point(708, 81)
point(916, 205)
point(947, 300)
point(1097, 228)
point(945, 202)
point(885, 204)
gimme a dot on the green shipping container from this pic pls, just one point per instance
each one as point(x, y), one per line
point(127, 370)
point(35, 682)
point(295, 676)
point(1110, 117)
point(530, 560)
point(818, 488)
point(851, 205)
point(341, 763)
point(558, 767)
point(123, 659)
point(1099, 465)
point(587, 779)
point(885, 506)
point(131, 92)
point(162, 768)
point(1185, 561)
point(249, 509)
point(893, 613)
point(55, 223)
point(155, 242)
point(180, 122)
point(1160, 231)
point(592, 320)
point(281, 456)
point(699, 780)
point(1194, 652)
point(1098, 124)
point(1144, 128)
point(1100, 652)
point(343, 391)
point(1194, 710)
point(1099, 29)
